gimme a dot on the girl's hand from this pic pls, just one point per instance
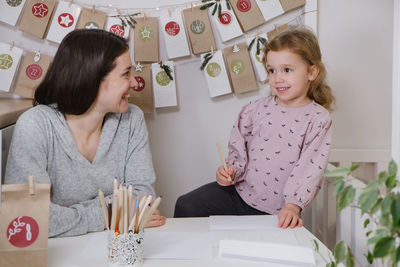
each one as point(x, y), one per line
point(289, 216)
point(223, 176)
point(156, 219)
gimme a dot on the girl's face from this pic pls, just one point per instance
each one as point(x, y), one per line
point(114, 89)
point(290, 77)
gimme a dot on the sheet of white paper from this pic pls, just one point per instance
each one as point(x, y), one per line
point(9, 61)
point(114, 25)
point(256, 60)
point(271, 235)
point(254, 222)
point(270, 9)
point(177, 245)
point(216, 75)
point(227, 24)
point(173, 30)
point(267, 252)
point(10, 11)
point(164, 88)
point(64, 21)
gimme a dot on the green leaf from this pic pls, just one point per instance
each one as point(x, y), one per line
point(376, 235)
point(353, 167)
point(338, 179)
point(366, 222)
point(382, 177)
point(251, 44)
point(339, 251)
point(397, 259)
point(384, 247)
point(338, 187)
point(395, 211)
point(391, 181)
point(205, 1)
point(316, 245)
point(392, 168)
point(205, 6)
point(214, 10)
point(346, 197)
point(331, 264)
point(370, 257)
point(349, 258)
point(376, 207)
point(336, 172)
point(228, 5)
point(386, 203)
point(368, 197)
point(219, 10)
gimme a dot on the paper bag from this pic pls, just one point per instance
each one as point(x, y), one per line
point(248, 14)
point(289, 5)
point(274, 32)
point(24, 219)
point(257, 60)
point(143, 96)
point(270, 9)
point(10, 11)
point(240, 69)
point(164, 88)
point(91, 19)
point(36, 16)
point(114, 25)
point(199, 29)
point(9, 62)
point(31, 74)
point(227, 24)
point(146, 40)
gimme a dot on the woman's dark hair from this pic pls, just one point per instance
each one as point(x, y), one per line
point(83, 59)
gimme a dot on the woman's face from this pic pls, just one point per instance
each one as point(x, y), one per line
point(114, 89)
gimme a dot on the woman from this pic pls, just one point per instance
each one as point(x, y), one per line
point(82, 133)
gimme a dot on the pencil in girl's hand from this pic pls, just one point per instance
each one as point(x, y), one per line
point(221, 155)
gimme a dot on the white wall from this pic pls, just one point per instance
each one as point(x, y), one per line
point(356, 41)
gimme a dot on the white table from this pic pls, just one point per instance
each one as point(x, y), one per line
point(67, 251)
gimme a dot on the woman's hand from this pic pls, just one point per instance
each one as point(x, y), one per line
point(156, 219)
point(289, 216)
point(224, 176)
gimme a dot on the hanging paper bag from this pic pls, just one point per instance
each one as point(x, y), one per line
point(216, 75)
point(270, 9)
point(146, 40)
point(36, 16)
point(240, 69)
point(143, 95)
point(91, 19)
point(114, 25)
point(248, 14)
point(199, 29)
point(24, 219)
point(10, 11)
point(289, 5)
point(173, 29)
point(257, 59)
point(274, 32)
point(227, 24)
point(9, 60)
point(163, 87)
point(31, 73)
point(64, 21)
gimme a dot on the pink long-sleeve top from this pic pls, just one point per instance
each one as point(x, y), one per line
point(279, 153)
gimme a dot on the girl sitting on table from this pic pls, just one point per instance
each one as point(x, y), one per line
point(279, 145)
point(81, 133)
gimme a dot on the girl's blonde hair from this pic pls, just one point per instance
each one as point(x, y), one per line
point(304, 43)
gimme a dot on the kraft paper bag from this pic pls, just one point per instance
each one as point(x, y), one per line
point(199, 29)
point(274, 32)
point(240, 69)
point(91, 19)
point(146, 40)
point(35, 17)
point(143, 95)
point(24, 219)
point(289, 5)
point(31, 74)
point(248, 14)
point(10, 10)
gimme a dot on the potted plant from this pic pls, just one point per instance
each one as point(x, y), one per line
point(380, 200)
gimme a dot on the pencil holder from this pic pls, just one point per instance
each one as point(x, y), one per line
point(125, 249)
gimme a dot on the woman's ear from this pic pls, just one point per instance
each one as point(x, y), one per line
point(313, 73)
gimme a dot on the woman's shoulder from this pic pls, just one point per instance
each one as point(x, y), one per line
point(39, 113)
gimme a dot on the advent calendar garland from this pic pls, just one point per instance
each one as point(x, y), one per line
point(216, 4)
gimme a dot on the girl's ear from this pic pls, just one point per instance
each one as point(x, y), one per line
point(313, 73)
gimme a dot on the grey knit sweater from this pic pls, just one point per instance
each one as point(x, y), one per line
point(43, 146)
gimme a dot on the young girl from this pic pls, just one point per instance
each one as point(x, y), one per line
point(279, 145)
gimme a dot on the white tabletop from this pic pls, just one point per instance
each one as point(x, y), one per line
point(68, 251)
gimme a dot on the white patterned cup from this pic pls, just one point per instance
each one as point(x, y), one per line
point(125, 250)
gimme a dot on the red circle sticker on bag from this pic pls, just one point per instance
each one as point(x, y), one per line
point(117, 29)
point(225, 18)
point(65, 20)
point(172, 28)
point(22, 231)
point(141, 83)
point(243, 5)
point(33, 71)
point(40, 10)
